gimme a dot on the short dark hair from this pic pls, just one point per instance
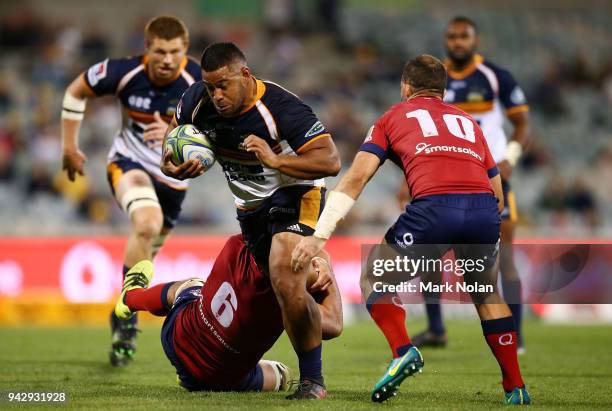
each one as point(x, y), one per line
point(166, 28)
point(425, 72)
point(218, 55)
point(466, 20)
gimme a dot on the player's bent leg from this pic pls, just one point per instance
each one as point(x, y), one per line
point(138, 277)
point(301, 315)
point(500, 334)
point(386, 308)
point(387, 311)
point(136, 194)
point(134, 191)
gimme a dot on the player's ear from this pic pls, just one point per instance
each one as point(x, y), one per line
point(246, 72)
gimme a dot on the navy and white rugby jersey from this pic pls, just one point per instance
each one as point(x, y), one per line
point(278, 116)
point(127, 78)
point(488, 93)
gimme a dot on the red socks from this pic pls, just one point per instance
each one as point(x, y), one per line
point(153, 300)
point(501, 337)
point(390, 318)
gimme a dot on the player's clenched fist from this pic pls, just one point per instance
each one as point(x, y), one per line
point(262, 150)
point(303, 252)
point(72, 162)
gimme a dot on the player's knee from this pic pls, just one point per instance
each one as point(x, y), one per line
point(147, 225)
point(365, 282)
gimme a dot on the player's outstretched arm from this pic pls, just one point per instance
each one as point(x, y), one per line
point(73, 111)
point(320, 159)
point(338, 204)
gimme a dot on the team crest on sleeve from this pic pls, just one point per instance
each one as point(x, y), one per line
point(315, 129)
point(369, 135)
point(97, 72)
point(517, 96)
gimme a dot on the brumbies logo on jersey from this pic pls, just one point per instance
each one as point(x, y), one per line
point(97, 72)
point(317, 128)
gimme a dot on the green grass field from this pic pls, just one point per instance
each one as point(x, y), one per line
point(566, 367)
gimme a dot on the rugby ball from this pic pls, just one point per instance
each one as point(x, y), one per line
point(186, 142)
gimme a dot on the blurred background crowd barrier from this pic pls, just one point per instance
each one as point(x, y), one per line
point(344, 58)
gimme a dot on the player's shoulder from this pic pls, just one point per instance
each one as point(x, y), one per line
point(190, 99)
point(278, 96)
point(110, 71)
point(500, 72)
point(126, 64)
point(194, 93)
point(394, 110)
point(193, 68)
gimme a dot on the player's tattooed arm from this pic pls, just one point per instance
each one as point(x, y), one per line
point(319, 160)
point(73, 109)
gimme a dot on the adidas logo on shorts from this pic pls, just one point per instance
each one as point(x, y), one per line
point(295, 227)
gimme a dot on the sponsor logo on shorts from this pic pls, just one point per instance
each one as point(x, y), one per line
point(428, 149)
point(406, 241)
point(284, 210)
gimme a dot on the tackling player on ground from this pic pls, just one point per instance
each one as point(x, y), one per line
point(148, 87)
point(217, 331)
point(455, 188)
point(275, 154)
point(488, 93)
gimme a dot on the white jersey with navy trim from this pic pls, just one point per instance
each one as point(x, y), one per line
point(140, 98)
point(488, 93)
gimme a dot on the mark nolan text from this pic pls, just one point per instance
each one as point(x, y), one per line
point(409, 287)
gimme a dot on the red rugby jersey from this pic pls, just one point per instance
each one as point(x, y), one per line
point(222, 336)
point(440, 148)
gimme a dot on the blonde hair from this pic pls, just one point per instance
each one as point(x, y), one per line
point(166, 28)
